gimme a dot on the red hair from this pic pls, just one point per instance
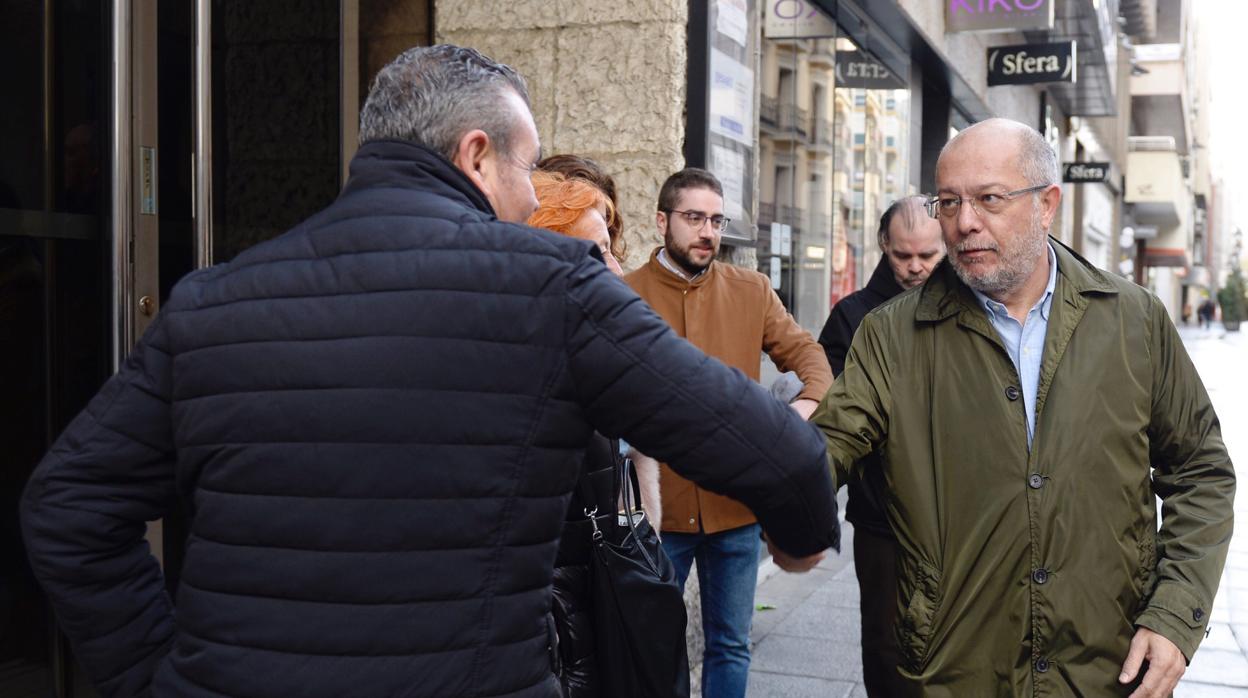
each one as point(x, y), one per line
point(562, 201)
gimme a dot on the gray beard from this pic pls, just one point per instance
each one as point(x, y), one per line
point(1016, 265)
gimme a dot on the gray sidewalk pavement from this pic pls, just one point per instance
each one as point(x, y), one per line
point(806, 629)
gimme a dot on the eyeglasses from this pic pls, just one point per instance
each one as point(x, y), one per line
point(695, 219)
point(988, 203)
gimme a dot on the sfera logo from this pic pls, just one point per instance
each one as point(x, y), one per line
point(1019, 62)
point(1031, 63)
point(1085, 172)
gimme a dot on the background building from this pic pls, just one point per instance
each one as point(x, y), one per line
point(139, 140)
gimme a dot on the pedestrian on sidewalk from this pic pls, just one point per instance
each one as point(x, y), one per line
point(1028, 409)
point(912, 245)
point(732, 314)
point(378, 418)
point(1206, 312)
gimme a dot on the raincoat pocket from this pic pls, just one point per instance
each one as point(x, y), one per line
point(920, 596)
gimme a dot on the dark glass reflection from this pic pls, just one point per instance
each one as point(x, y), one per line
point(53, 287)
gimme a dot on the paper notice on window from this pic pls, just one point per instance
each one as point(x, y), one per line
point(729, 166)
point(733, 20)
point(732, 99)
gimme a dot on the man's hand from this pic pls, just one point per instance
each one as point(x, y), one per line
point(805, 407)
point(1166, 664)
point(788, 563)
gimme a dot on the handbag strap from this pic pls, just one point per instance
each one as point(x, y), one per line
point(625, 475)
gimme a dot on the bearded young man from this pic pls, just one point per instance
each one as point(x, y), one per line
point(1027, 410)
point(731, 314)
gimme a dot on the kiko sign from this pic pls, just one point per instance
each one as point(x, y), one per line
point(1026, 64)
point(998, 15)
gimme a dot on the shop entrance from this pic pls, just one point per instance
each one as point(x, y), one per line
point(223, 124)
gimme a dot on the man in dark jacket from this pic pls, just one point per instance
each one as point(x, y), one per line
point(376, 420)
point(912, 245)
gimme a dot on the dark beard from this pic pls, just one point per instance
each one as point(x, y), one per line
point(685, 263)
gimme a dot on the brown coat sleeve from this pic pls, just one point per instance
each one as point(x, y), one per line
point(793, 349)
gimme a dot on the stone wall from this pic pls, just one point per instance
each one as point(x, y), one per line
point(276, 128)
point(607, 82)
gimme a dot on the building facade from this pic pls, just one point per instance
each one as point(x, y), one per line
point(144, 139)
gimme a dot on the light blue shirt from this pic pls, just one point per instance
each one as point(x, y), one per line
point(1025, 342)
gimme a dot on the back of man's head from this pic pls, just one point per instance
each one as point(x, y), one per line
point(908, 210)
point(688, 178)
point(433, 95)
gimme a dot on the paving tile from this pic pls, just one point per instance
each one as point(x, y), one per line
point(1192, 689)
point(824, 622)
point(804, 656)
point(766, 621)
point(1220, 638)
point(1240, 631)
point(767, 685)
point(1237, 560)
point(1222, 667)
point(837, 593)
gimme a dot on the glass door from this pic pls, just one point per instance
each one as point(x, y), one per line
point(55, 253)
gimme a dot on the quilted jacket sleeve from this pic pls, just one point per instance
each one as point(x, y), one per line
point(711, 423)
point(1193, 475)
point(83, 519)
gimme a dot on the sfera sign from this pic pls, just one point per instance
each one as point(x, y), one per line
point(1026, 64)
point(1085, 172)
point(998, 15)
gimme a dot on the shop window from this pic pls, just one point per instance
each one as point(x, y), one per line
point(836, 154)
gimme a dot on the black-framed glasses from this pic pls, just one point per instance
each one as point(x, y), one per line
point(696, 219)
point(987, 203)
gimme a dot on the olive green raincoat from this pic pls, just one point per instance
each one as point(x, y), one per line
point(1025, 572)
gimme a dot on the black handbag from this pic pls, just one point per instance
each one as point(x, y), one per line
point(638, 607)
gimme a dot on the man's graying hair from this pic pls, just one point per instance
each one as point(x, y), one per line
point(1038, 159)
point(433, 95)
point(910, 208)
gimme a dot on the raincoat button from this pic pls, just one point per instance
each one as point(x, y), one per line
point(1040, 576)
point(1036, 481)
point(1042, 665)
point(1198, 614)
point(1013, 393)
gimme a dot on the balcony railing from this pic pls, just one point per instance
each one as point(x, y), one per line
point(793, 118)
point(769, 110)
point(821, 132)
point(791, 215)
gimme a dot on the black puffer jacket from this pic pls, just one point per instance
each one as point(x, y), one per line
point(377, 420)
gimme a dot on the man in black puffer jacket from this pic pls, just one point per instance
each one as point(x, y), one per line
point(377, 420)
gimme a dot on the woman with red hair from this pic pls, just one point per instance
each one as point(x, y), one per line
point(574, 207)
point(576, 198)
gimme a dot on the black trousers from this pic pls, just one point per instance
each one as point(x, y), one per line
point(875, 562)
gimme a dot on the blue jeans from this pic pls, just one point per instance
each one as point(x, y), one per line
point(728, 573)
